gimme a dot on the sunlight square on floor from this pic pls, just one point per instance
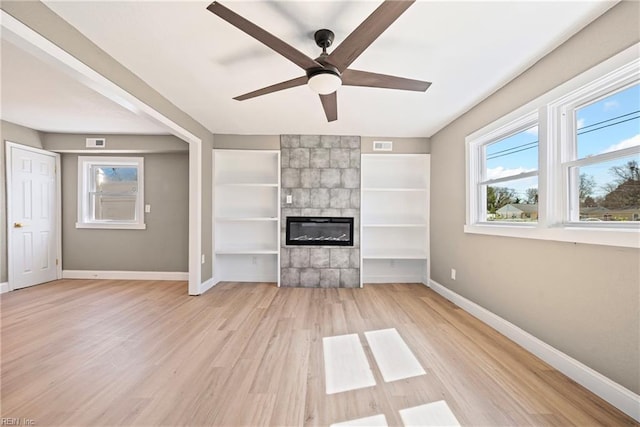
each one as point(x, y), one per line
point(345, 364)
point(431, 414)
point(393, 356)
point(373, 421)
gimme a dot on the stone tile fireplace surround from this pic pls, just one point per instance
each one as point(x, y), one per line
point(322, 176)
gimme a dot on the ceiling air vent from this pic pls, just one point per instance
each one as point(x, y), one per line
point(382, 145)
point(96, 142)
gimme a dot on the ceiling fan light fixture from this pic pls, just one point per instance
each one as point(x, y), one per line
point(324, 82)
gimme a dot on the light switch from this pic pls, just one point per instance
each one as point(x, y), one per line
point(147, 208)
point(289, 199)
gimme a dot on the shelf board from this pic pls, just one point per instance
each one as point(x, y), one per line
point(393, 254)
point(242, 219)
point(396, 225)
point(246, 251)
point(395, 189)
point(247, 184)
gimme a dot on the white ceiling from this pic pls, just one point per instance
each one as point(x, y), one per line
point(39, 95)
point(199, 62)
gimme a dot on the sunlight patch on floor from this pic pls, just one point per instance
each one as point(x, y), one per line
point(373, 421)
point(345, 364)
point(393, 356)
point(432, 414)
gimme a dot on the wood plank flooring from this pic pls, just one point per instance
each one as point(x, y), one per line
point(143, 353)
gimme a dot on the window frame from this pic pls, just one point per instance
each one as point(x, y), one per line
point(84, 218)
point(556, 155)
point(478, 214)
point(563, 111)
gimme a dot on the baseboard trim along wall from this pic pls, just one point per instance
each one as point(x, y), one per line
point(4, 287)
point(125, 275)
point(617, 395)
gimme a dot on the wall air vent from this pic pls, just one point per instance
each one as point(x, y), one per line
point(96, 142)
point(382, 145)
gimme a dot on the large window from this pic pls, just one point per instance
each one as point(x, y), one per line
point(110, 192)
point(565, 166)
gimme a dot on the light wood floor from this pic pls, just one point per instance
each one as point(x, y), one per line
point(91, 353)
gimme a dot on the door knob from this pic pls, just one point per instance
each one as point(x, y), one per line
point(18, 225)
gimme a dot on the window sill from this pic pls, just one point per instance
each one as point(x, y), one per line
point(111, 226)
point(627, 237)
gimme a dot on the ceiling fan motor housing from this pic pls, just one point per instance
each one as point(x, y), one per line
point(325, 69)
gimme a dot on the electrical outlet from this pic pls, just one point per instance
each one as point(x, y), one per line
point(289, 199)
point(147, 208)
point(202, 259)
point(453, 274)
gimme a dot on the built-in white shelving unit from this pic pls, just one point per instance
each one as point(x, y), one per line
point(395, 218)
point(247, 215)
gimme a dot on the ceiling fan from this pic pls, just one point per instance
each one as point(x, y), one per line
point(325, 74)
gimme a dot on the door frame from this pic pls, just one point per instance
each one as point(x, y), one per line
point(58, 209)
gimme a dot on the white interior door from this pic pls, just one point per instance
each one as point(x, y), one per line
point(32, 220)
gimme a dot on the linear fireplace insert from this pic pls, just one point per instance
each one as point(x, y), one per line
point(319, 231)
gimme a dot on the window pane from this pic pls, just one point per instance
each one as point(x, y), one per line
point(115, 193)
point(608, 191)
point(513, 201)
point(513, 155)
point(610, 124)
point(114, 208)
point(115, 179)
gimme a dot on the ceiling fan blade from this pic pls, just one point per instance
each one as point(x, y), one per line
point(365, 78)
point(298, 81)
point(330, 105)
point(366, 33)
point(268, 39)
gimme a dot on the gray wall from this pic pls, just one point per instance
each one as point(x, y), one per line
point(246, 142)
point(400, 145)
point(21, 135)
point(40, 18)
point(163, 246)
point(581, 299)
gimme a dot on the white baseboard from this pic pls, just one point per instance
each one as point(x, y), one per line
point(124, 275)
point(204, 287)
point(617, 395)
point(4, 287)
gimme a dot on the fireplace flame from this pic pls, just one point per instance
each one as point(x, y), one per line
point(304, 237)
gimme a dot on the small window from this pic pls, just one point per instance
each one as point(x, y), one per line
point(110, 192)
point(507, 177)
